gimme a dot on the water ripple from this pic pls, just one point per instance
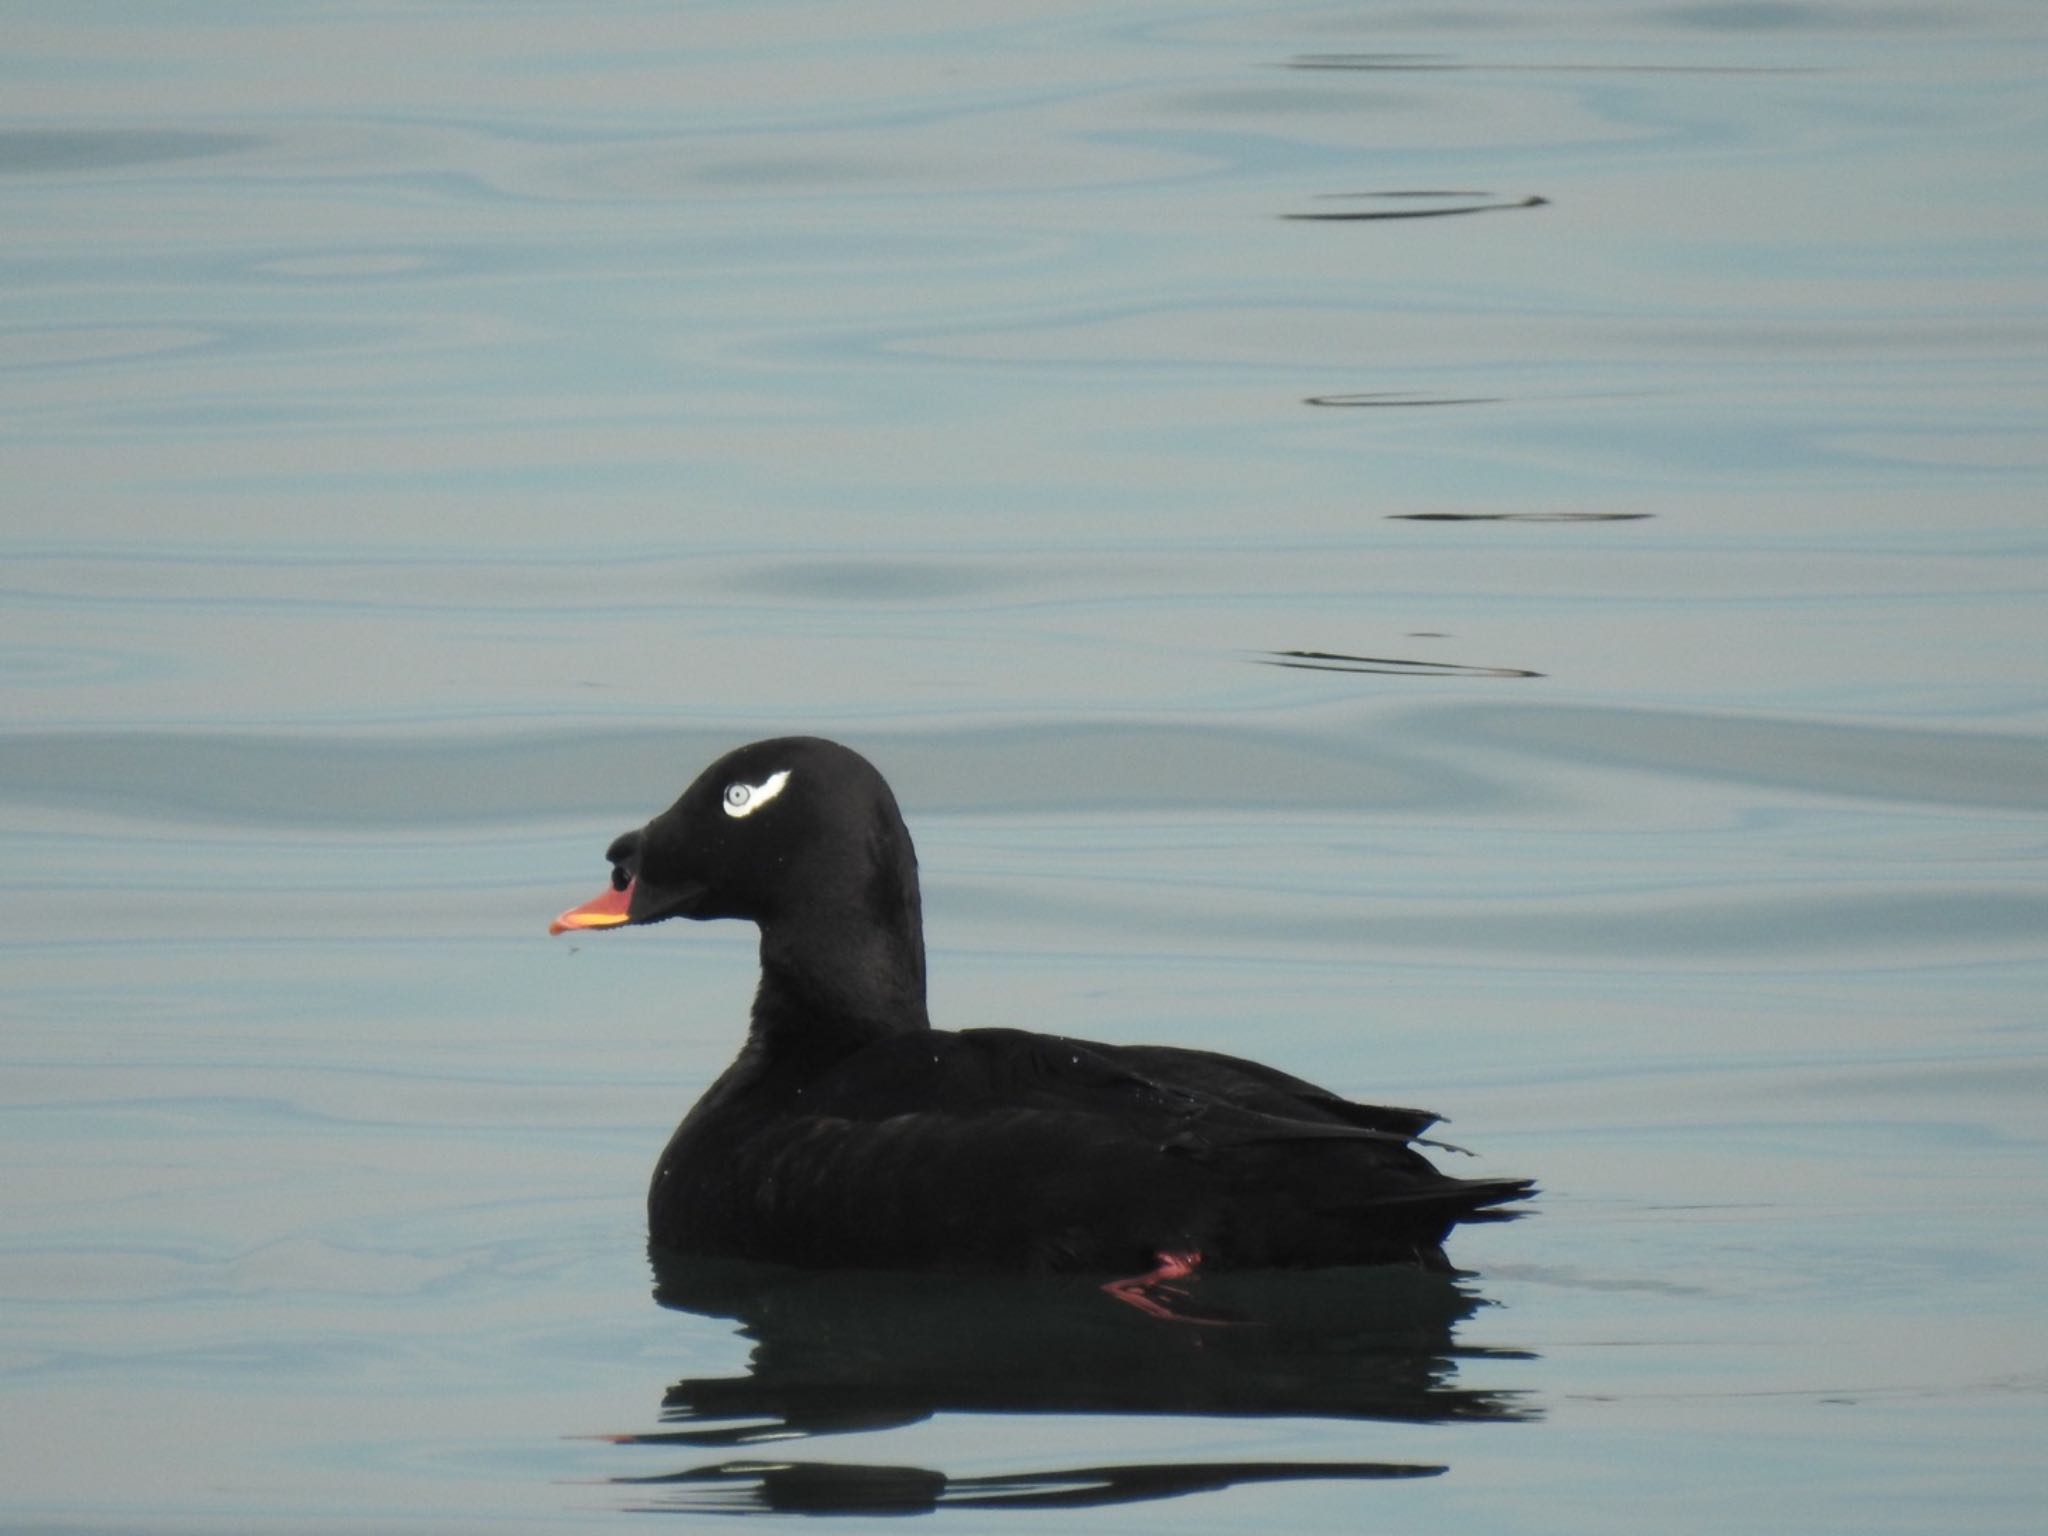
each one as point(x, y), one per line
point(58, 346)
point(65, 666)
point(1332, 661)
point(1518, 517)
point(1954, 768)
point(67, 151)
point(1439, 755)
point(1444, 63)
point(1399, 397)
point(1448, 205)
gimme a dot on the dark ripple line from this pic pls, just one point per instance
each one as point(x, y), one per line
point(1336, 661)
point(1386, 399)
point(1519, 517)
point(1440, 63)
point(1362, 214)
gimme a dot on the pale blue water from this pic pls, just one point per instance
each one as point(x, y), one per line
point(430, 432)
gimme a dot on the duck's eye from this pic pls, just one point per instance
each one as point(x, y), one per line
point(745, 799)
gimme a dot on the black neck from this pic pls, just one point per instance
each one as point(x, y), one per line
point(829, 987)
point(842, 953)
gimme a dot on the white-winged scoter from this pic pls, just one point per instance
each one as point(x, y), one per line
point(849, 1133)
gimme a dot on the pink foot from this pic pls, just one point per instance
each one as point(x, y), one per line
point(1156, 1292)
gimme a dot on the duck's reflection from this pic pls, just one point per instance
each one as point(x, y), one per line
point(842, 1352)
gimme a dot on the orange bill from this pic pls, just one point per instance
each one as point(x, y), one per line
point(607, 909)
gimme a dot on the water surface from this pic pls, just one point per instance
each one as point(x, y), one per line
point(1494, 559)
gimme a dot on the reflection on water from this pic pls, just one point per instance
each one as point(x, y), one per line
point(839, 1488)
point(853, 1352)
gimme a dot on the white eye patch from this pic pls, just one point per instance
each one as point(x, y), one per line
point(745, 799)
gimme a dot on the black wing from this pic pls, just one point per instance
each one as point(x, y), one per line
point(1012, 1150)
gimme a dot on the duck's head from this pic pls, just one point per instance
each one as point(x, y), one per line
point(772, 831)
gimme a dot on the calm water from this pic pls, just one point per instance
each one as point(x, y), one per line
point(1492, 556)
